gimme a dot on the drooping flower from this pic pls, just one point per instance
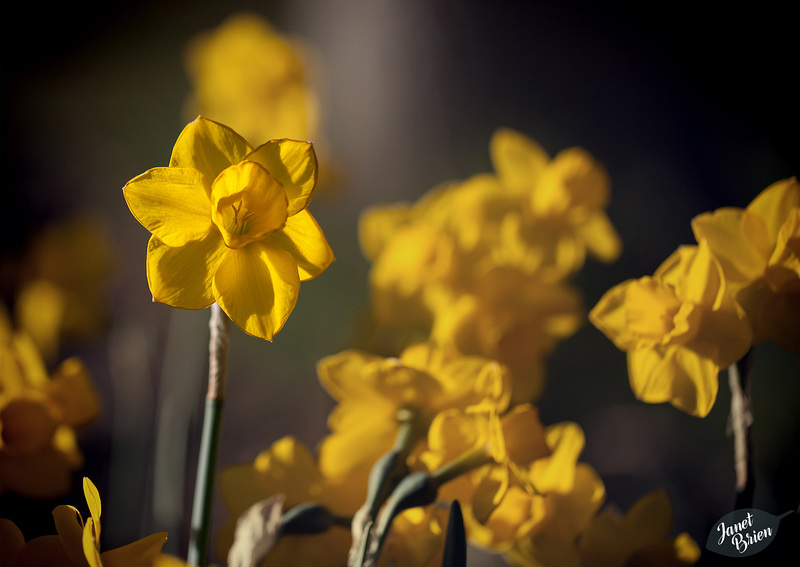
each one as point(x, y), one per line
point(640, 538)
point(759, 251)
point(78, 543)
point(679, 328)
point(372, 390)
point(524, 470)
point(38, 414)
point(564, 217)
point(229, 224)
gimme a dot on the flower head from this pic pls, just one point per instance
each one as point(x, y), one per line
point(758, 249)
point(78, 543)
point(679, 327)
point(229, 224)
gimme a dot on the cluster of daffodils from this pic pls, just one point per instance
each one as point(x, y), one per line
point(483, 265)
point(39, 413)
point(708, 304)
point(480, 271)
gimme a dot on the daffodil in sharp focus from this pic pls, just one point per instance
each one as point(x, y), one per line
point(229, 225)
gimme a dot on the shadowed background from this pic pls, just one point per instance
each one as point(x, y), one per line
point(688, 106)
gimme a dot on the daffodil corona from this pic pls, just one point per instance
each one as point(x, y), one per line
point(229, 225)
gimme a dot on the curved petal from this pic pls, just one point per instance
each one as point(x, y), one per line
point(738, 239)
point(518, 160)
point(294, 165)
point(773, 204)
point(257, 287)
point(304, 240)
point(676, 375)
point(181, 277)
point(600, 237)
point(69, 526)
point(610, 318)
point(172, 203)
point(140, 553)
point(208, 147)
point(91, 544)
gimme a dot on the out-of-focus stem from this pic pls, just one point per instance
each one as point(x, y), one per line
point(219, 327)
point(741, 419)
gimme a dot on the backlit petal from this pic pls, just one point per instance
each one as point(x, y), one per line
point(257, 287)
point(738, 239)
point(773, 205)
point(610, 317)
point(140, 553)
point(208, 147)
point(304, 240)
point(181, 277)
point(600, 237)
point(69, 526)
point(294, 165)
point(172, 203)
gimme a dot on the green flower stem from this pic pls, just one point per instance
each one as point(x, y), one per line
point(466, 462)
point(219, 326)
point(741, 419)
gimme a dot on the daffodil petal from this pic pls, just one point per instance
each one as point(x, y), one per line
point(774, 203)
point(172, 203)
point(69, 526)
point(610, 318)
point(676, 375)
point(518, 160)
point(257, 287)
point(600, 237)
point(93, 500)
point(294, 165)
point(208, 147)
point(181, 277)
point(91, 544)
point(140, 553)
point(304, 240)
point(738, 239)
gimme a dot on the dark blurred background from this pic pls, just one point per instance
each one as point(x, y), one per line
point(690, 105)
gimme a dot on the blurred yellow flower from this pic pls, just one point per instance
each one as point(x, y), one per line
point(62, 280)
point(77, 543)
point(259, 82)
point(526, 469)
point(759, 251)
point(288, 468)
point(640, 538)
point(38, 450)
point(229, 224)
point(679, 329)
point(372, 390)
point(247, 75)
point(564, 217)
point(512, 317)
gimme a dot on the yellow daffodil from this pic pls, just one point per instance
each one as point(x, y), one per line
point(372, 391)
point(511, 317)
point(38, 414)
point(679, 329)
point(416, 538)
point(568, 514)
point(759, 251)
point(229, 224)
point(78, 543)
point(288, 468)
point(524, 470)
point(640, 538)
point(247, 75)
point(565, 215)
